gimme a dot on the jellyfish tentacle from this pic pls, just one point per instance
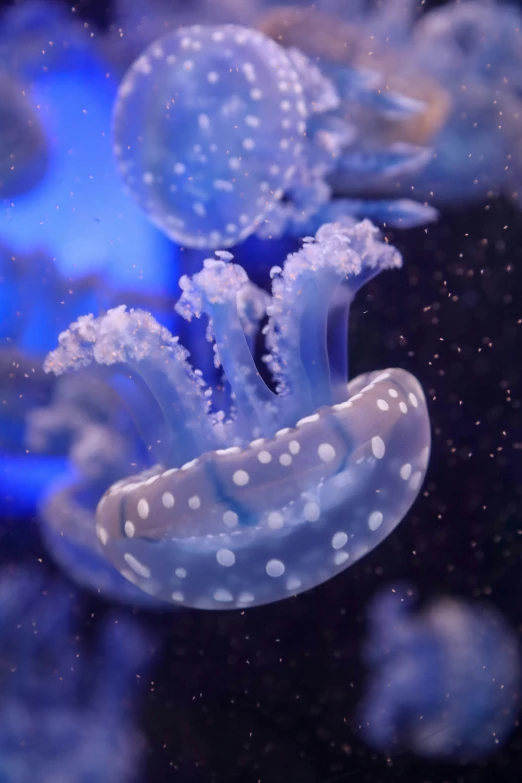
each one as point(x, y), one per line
point(303, 295)
point(135, 339)
point(214, 291)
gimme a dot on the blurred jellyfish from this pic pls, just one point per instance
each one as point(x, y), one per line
point(84, 423)
point(292, 486)
point(213, 126)
point(444, 681)
point(65, 712)
point(460, 63)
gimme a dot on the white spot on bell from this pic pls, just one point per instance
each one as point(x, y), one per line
point(275, 568)
point(378, 447)
point(225, 557)
point(240, 478)
point(375, 520)
point(339, 540)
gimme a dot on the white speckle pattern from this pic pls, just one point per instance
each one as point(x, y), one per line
point(375, 520)
point(168, 500)
point(275, 520)
point(230, 518)
point(129, 529)
point(339, 540)
point(311, 512)
point(275, 568)
point(264, 457)
point(413, 399)
point(225, 557)
point(405, 471)
point(223, 596)
point(378, 447)
point(293, 583)
point(181, 573)
point(415, 481)
point(326, 452)
point(137, 567)
point(194, 502)
point(308, 420)
point(241, 478)
point(143, 508)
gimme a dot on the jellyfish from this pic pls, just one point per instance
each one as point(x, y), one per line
point(460, 62)
point(444, 681)
point(66, 712)
point(83, 422)
point(296, 478)
point(220, 133)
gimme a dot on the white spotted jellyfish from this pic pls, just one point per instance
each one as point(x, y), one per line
point(208, 126)
point(295, 481)
point(220, 133)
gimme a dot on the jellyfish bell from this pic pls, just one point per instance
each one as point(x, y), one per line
point(299, 482)
point(207, 126)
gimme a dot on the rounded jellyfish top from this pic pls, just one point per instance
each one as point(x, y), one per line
point(208, 124)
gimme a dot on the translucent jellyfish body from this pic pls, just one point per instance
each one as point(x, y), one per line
point(207, 128)
point(289, 487)
point(445, 682)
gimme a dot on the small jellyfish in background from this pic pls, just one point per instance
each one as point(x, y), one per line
point(461, 63)
point(444, 681)
point(286, 488)
point(213, 126)
point(84, 422)
point(66, 712)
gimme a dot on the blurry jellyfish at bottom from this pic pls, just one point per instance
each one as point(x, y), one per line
point(66, 705)
point(444, 681)
point(220, 133)
point(283, 489)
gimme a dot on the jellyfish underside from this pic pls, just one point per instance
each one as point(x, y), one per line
point(298, 482)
